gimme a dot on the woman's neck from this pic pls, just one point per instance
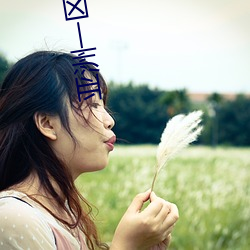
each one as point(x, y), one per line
point(31, 186)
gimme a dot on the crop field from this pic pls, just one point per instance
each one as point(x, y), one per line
point(211, 188)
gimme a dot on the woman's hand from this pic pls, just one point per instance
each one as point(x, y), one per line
point(147, 229)
point(163, 245)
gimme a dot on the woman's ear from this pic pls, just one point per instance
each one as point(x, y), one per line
point(46, 124)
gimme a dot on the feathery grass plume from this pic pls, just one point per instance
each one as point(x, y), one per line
point(180, 131)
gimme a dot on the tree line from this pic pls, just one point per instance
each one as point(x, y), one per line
point(141, 113)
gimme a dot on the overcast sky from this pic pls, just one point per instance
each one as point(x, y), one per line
point(201, 45)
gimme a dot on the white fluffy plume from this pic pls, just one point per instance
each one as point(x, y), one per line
point(180, 131)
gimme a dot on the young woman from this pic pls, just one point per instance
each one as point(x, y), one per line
point(47, 139)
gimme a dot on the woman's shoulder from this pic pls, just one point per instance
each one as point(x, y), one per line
point(21, 225)
point(13, 203)
point(21, 218)
point(14, 206)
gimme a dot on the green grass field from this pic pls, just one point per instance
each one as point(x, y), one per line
point(211, 188)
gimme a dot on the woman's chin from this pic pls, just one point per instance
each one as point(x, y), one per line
point(96, 167)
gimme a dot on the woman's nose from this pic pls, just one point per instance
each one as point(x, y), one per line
point(109, 122)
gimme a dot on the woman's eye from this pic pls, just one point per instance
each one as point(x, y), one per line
point(95, 105)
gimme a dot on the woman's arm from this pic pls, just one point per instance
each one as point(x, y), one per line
point(147, 229)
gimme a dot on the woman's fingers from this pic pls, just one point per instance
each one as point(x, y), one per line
point(173, 216)
point(158, 208)
point(153, 196)
point(138, 201)
point(150, 227)
point(155, 217)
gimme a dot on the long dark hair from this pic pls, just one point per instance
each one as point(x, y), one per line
point(41, 82)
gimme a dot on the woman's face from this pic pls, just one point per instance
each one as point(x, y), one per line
point(95, 139)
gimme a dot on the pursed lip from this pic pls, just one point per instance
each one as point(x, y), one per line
point(110, 142)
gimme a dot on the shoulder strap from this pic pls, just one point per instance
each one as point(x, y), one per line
point(9, 196)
